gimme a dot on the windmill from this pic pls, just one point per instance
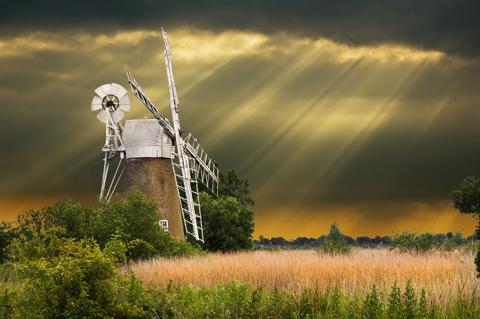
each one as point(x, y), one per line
point(163, 164)
point(108, 105)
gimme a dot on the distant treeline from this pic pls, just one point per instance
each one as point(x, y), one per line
point(359, 241)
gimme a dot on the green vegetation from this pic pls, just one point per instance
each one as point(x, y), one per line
point(134, 222)
point(125, 297)
point(410, 242)
point(67, 278)
point(231, 185)
point(230, 225)
point(6, 234)
point(467, 201)
point(63, 262)
point(334, 242)
point(228, 218)
point(241, 301)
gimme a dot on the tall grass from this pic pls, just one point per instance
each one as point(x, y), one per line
point(446, 277)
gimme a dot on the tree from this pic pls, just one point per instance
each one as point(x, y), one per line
point(467, 201)
point(233, 208)
point(234, 186)
point(334, 242)
point(230, 184)
point(228, 225)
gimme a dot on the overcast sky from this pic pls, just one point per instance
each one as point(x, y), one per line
point(364, 112)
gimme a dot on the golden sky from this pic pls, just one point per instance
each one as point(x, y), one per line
point(330, 113)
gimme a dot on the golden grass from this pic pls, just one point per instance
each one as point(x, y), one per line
point(443, 275)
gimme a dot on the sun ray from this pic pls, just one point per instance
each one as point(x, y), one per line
point(375, 119)
point(288, 125)
point(254, 102)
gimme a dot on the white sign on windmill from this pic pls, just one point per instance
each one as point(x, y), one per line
point(159, 161)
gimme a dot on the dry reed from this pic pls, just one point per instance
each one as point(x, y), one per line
point(443, 275)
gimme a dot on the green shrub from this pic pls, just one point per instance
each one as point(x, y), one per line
point(73, 217)
point(410, 242)
point(334, 242)
point(447, 245)
point(68, 278)
point(10, 287)
point(230, 225)
point(274, 248)
point(133, 221)
point(136, 218)
point(394, 303)
point(372, 308)
point(471, 247)
point(6, 236)
point(458, 239)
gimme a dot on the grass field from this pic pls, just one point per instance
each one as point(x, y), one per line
point(446, 276)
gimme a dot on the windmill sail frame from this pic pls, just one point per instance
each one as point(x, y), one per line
point(190, 161)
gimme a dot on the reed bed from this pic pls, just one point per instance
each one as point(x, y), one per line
point(446, 277)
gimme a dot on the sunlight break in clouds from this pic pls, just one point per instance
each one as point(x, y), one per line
point(192, 45)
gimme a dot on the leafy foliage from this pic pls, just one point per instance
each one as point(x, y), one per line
point(231, 185)
point(467, 201)
point(409, 241)
point(372, 307)
point(134, 222)
point(136, 218)
point(230, 225)
point(6, 236)
point(233, 227)
point(72, 217)
point(446, 246)
point(334, 242)
point(68, 278)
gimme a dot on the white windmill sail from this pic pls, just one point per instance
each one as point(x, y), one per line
point(112, 99)
point(191, 161)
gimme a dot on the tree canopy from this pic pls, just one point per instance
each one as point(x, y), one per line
point(227, 220)
point(228, 226)
point(467, 199)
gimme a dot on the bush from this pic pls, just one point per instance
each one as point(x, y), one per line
point(6, 236)
point(446, 246)
point(458, 239)
point(471, 247)
point(68, 278)
point(136, 219)
point(230, 225)
point(334, 242)
point(409, 242)
point(75, 218)
point(134, 222)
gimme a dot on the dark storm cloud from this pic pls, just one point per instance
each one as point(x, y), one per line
point(449, 26)
point(50, 140)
